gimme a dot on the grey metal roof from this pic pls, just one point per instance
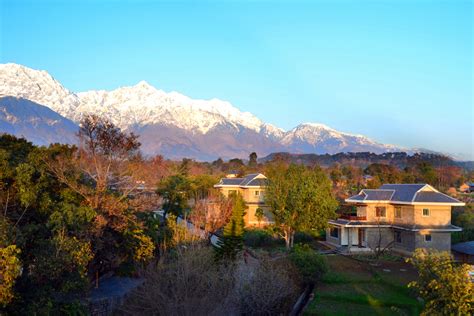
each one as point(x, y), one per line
point(231, 181)
point(464, 247)
point(403, 192)
point(378, 195)
point(359, 197)
point(258, 182)
point(248, 180)
point(436, 197)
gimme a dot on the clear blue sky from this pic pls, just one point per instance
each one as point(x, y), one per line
point(397, 71)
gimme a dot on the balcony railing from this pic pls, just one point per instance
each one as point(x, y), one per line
point(353, 217)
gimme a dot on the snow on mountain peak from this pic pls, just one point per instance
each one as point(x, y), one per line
point(142, 105)
point(37, 86)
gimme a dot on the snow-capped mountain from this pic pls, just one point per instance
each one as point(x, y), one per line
point(37, 86)
point(320, 139)
point(175, 125)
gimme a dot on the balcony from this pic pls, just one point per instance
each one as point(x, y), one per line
point(353, 217)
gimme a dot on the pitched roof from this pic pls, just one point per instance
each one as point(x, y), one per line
point(248, 178)
point(254, 179)
point(434, 197)
point(378, 195)
point(403, 194)
point(231, 181)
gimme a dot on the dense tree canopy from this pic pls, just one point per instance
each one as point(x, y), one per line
point(444, 286)
point(300, 199)
point(66, 212)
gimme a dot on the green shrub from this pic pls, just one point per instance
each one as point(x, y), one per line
point(311, 265)
point(260, 238)
point(303, 238)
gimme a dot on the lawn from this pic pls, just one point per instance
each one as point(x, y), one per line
point(358, 288)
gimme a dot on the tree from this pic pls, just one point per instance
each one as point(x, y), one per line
point(212, 213)
point(10, 267)
point(336, 174)
point(36, 211)
point(253, 160)
point(186, 282)
point(259, 214)
point(384, 173)
point(201, 186)
point(427, 173)
point(267, 289)
point(235, 164)
point(374, 183)
point(175, 191)
point(300, 199)
point(311, 265)
point(231, 243)
point(100, 172)
point(444, 286)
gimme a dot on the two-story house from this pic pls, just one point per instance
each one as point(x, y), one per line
point(252, 189)
point(402, 217)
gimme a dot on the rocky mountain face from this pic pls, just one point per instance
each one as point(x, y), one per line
point(169, 124)
point(35, 122)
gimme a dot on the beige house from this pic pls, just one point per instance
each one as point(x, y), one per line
point(402, 217)
point(252, 189)
point(467, 187)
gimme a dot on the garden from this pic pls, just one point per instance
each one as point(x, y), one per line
point(364, 288)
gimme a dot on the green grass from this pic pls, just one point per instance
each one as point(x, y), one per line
point(353, 288)
point(332, 308)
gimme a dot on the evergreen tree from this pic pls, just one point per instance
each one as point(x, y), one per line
point(253, 160)
point(231, 243)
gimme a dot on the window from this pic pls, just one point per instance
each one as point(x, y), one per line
point(428, 238)
point(257, 193)
point(426, 212)
point(398, 212)
point(380, 212)
point(398, 237)
point(334, 232)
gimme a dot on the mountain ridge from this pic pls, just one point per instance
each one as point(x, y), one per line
point(209, 128)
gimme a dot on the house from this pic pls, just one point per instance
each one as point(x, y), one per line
point(232, 174)
point(467, 187)
point(464, 188)
point(252, 189)
point(402, 217)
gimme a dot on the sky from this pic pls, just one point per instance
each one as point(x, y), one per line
point(400, 72)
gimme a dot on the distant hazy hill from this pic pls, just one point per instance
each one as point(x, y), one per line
point(363, 159)
point(171, 124)
point(35, 122)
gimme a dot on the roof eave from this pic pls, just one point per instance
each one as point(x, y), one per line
point(403, 202)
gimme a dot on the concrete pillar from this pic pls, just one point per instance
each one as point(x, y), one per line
point(349, 238)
